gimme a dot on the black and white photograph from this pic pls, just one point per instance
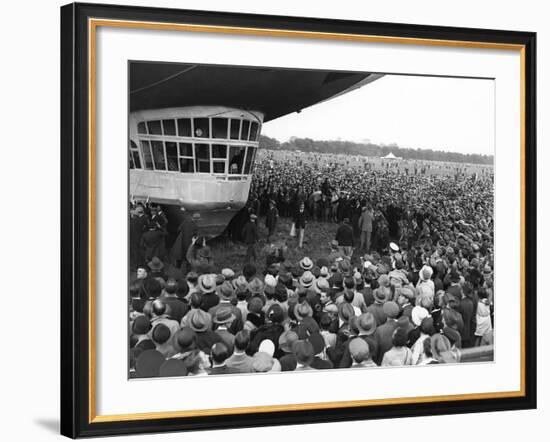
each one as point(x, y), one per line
point(283, 220)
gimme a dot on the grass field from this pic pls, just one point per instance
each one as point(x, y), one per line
point(316, 244)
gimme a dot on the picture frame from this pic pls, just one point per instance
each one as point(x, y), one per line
point(79, 208)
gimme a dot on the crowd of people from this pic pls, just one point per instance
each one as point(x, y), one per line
point(408, 279)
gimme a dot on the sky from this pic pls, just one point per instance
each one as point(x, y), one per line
point(440, 113)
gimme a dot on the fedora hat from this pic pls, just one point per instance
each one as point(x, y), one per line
point(228, 273)
point(302, 311)
point(199, 320)
point(346, 311)
point(366, 324)
point(391, 309)
point(223, 315)
point(226, 290)
point(306, 263)
point(240, 283)
point(287, 340)
point(307, 279)
point(155, 264)
point(256, 286)
point(207, 283)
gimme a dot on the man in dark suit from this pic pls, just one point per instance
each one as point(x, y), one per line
point(299, 221)
point(271, 219)
point(344, 236)
point(250, 237)
point(384, 333)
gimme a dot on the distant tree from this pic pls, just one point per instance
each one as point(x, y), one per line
point(372, 150)
point(269, 143)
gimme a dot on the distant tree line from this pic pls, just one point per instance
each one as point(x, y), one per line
point(371, 150)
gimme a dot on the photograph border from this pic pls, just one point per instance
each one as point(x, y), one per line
point(79, 23)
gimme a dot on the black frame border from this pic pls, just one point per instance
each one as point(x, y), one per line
point(75, 219)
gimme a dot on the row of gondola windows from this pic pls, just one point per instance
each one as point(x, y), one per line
point(222, 128)
point(191, 158)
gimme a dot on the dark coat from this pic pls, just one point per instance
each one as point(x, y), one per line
point(299, 219)
point(186, 230)
point(271, 218)
point(250, 233)
point(320, 364)
point(209, 300)
point(384, 335)
point(237, 324)
point(266, 331)
point(344, 236)
point(371, 340)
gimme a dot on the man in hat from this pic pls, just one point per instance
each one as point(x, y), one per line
point(405, 300)
point(344, 236)
point(286, 357)
point(199, 257)
point(299, 224)
point(384, 332)
point(226, 295)
point(272, 329)
point(222, 321)
point(250, 238)
point(138, 225)
point(366, 324)
point(207, 288)
point(381, 295)
point(365, 225)
point(271, 219)
point(201, 323)
point(188, 229)
point(335, 252)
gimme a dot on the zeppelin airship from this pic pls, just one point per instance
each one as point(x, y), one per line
point(194, 130)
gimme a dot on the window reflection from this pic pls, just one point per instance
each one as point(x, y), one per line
point(219, 127)
point(202, 157)
point(154, 127)
point(201, 127)
point(146, 154)
point(158, 155)
point(236, 159)
point(244, 130)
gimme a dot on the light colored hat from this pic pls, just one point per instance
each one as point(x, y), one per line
point(306, 263)
point(418, 313)
point(270, 280)
point(255, 285)
point(321, 285)
point(267, 346)
point(207, 283)
point(426, 273)
point(307, 279)
point(228, 273)
point(394, 247)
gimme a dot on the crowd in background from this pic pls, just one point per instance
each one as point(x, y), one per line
point(408, 279)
